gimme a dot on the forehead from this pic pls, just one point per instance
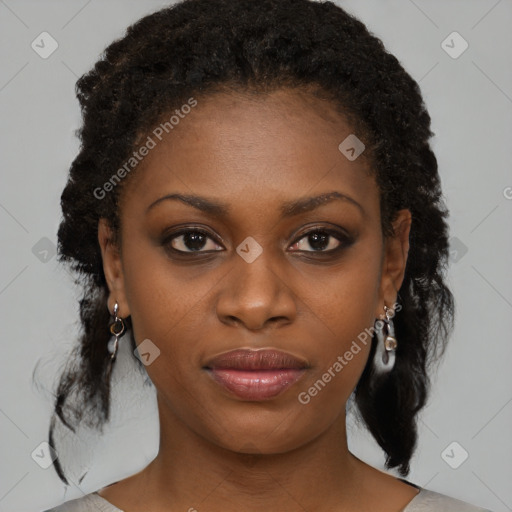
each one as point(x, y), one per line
point(284, 143)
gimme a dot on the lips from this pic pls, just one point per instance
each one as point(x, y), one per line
point(256, 375)
point(263, 359)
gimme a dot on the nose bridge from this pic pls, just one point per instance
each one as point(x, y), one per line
point(254, 292)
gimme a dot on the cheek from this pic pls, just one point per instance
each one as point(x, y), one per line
point(162, 307)
point(344, 299)
point(341, 310)
point(169, 305)
point(160, 295)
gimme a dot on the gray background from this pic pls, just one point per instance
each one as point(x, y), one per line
point(470, 101)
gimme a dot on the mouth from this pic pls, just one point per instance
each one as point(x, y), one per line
point(256, 375)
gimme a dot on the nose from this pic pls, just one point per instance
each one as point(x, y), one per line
point(256, 296)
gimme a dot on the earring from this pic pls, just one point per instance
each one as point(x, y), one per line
point(384, 358)
point(117, 329)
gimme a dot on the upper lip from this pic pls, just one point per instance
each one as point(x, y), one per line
point(261, 359)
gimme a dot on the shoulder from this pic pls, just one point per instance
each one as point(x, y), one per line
point(431, 501)
point(86, 503)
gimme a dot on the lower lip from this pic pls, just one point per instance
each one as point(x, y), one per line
point(256, 384)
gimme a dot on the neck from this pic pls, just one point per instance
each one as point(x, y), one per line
point(191, 471)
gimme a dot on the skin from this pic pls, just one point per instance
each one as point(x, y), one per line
point(218, 452)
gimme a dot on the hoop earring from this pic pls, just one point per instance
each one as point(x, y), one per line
point(384, 358)
point(117, 328)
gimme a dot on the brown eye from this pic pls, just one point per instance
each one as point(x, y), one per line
point(321, 240)
point(190, 241)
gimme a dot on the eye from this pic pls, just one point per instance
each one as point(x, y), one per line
point(321, 240)
point(190, 241)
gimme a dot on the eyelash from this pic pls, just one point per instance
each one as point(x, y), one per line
point(344, 241)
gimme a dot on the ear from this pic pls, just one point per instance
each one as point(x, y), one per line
point(396, 249)
point(113, 269)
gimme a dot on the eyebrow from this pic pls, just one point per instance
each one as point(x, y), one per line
point(288, 209)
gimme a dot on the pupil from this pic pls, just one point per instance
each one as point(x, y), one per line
point(318, 240)
point(194, 241)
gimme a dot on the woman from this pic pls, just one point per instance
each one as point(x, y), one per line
point(257, 211)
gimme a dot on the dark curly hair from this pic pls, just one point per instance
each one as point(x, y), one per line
point(199, 47)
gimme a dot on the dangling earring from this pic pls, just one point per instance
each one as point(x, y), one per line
point(117, 328)
point(384, 358)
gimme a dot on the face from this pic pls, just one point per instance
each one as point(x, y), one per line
point(254, 262)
